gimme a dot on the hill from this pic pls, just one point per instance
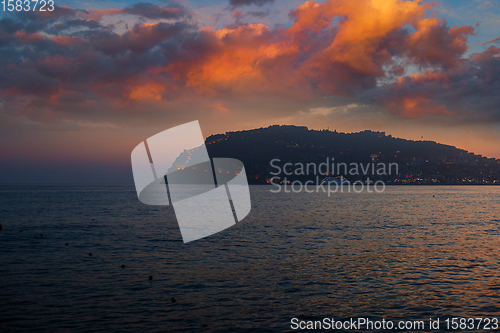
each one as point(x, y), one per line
point(419, 162)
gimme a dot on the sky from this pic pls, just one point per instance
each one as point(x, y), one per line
point(82, 85)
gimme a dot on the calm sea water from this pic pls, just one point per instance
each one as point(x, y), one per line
point(409, 253)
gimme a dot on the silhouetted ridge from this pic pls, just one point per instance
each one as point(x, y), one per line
point(419, 161)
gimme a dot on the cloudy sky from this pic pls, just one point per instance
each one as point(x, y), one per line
point(82, 85)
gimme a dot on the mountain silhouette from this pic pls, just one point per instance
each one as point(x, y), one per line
point(419, 162)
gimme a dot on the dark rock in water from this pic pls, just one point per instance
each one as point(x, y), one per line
point(204, 325)
point(90, 254)
point(123, 266)
point(66, 244)
point(150, 277)
point(173, 300)
point(20, 231)
point(41, 235)
point(1, 226)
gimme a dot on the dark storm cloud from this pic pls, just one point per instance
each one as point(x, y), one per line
point(70, 58)
point(148, 10)
point(469, 90)
point(35, 21)
point(28, 81)
point(141, 38)
point(236, 3)
point(259, 14)
point(76, 23)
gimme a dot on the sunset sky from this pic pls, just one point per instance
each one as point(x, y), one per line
point(81, 86)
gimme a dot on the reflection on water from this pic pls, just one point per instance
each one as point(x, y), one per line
point(409, 253)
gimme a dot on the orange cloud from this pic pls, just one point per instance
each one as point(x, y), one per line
point(491, 41)
point(334, 48)
point(148, 91)
point(416, 107)
point(66, 40)
point(435, 43)
point(237, 64)
point(219, 107)
point(425, 77)
point(28, 38)
point(362, 29)
point(336, 55)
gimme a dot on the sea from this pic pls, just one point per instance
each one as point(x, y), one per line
point(78, 258)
